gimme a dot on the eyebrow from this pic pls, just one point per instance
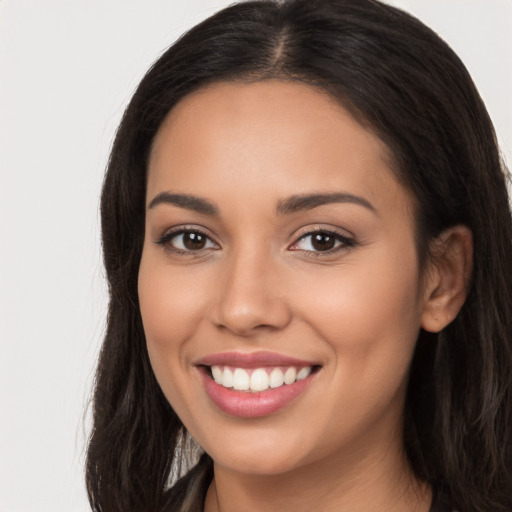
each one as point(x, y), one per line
point(293, 204)
point(299, 203)
point(187, 201)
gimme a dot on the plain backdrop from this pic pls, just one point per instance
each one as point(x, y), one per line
point(68, 68)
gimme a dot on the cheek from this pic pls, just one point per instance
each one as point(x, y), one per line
point(376, 288)
point(368, 319)
point(354, 305)
point(369, 315)
point(171, 303)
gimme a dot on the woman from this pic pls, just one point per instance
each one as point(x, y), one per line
point(306, 234)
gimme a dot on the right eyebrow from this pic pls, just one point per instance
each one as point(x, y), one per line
point(190, 202)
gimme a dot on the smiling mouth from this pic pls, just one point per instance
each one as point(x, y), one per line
point(255, 385)
point(257, 380)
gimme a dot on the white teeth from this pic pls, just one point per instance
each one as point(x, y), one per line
point(290, 375)
point(258, 379)
point(276, 378)
point(217, 374)
point(240, 379)
point(303, 373)
point(227, 379)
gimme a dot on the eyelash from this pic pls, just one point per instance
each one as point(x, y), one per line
point(166, 238)
point(344, 241)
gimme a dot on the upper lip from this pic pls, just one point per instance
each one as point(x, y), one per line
point(251, 360)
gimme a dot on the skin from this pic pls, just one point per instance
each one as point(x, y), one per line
point(259, 284)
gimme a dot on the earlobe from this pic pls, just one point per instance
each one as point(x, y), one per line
point(447, 279)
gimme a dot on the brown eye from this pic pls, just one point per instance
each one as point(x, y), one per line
point(323, 241)
point(194, 241)
point(187, 240)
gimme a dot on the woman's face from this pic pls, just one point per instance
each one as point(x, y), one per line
point(277, 237)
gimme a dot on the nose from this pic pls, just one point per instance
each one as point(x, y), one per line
point(251, 296)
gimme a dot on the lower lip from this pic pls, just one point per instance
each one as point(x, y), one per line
point(252, 405)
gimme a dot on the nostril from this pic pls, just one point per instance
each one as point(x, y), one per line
point(254, 315)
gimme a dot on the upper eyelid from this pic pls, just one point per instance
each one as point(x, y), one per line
point(347, 240)
point(323, 229)
point(169, 234)
point(177, 230)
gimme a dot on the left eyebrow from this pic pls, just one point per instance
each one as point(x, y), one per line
point(299, 202)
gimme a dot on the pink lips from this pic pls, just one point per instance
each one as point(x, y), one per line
point(252, 404)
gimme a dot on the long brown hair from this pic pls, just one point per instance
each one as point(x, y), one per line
point(405, 84)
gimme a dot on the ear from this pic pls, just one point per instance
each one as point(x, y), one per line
point(447, 278)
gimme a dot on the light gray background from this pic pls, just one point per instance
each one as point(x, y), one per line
point(68, 68)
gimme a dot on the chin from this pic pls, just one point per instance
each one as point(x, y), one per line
point(261, 456)
point(256, 464)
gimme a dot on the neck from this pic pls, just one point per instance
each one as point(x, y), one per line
point(365, 480)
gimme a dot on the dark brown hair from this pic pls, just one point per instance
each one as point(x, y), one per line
point(401, 81)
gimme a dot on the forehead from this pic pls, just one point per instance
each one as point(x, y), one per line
point(269, 137)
